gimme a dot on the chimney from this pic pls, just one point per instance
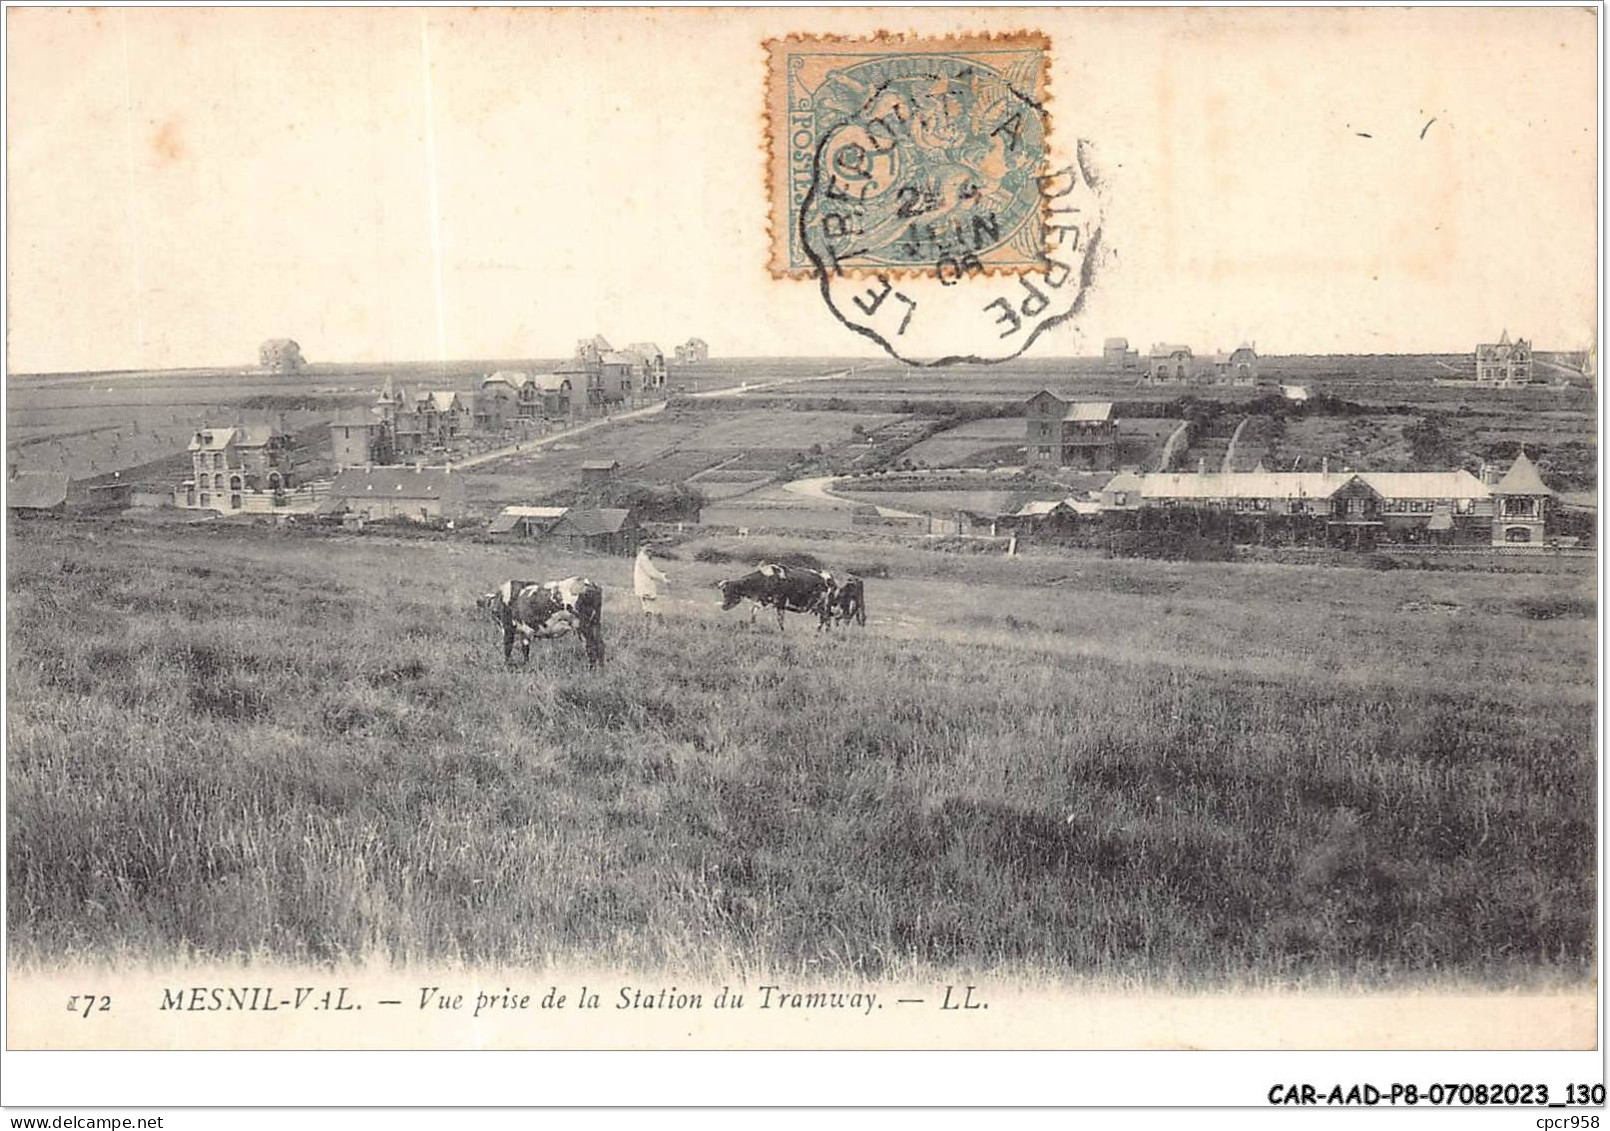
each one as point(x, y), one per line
point(1201, 465)
point(1324, 466)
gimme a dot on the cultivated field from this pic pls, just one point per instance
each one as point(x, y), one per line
point(742, 446)
point(91, 424)
point(248, 744)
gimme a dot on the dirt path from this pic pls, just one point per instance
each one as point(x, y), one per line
point(817, 487)
point(632, 414)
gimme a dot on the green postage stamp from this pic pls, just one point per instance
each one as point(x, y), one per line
point(898, 155)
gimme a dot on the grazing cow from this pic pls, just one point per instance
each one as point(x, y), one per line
point(848, 603)
point(531, 609)
point(791, 589)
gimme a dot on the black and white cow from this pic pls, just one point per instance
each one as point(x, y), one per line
point(849, 601)
point(791, 589)
point(531, 609)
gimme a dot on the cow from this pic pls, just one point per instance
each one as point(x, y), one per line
point(791, 589)
point(531, 609)
point(848, 602)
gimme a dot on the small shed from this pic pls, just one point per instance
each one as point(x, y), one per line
point(526, 522)
point(596, 469)
point(604, 530)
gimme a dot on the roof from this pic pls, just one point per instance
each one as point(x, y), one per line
point(600, 464)
point(1089, 410)
point(1426, 484)
point(510, 517)
point(550, 382)
point(36, 490)
point(511, 377)
point(393, 482)
point(1164, 349)
point(443, 400)
point(1522, 479)
point(588, 522)
point(356, 418)
point(574, 365)
point(1038, 509)
point(617, 357)
point(598, 342)
point(1123, 481)
point(536, 512)
point(212, 439)
point(1115, 344)
point(646, 349)
point(1310, 484)
point(1243, 484)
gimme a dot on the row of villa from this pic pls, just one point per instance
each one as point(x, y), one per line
point(248, 468)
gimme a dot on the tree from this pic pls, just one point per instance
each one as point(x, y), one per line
point(1429, 444)
point(280, 355)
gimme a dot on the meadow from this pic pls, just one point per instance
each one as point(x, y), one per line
point(231, 743)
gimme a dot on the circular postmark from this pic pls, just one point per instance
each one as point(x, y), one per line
point(933, 221)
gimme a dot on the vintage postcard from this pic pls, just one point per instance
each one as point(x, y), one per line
point(807, 529)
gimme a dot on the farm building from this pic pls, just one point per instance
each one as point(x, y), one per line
point(358, 438)
point(526, 522)
point(415, 493)
point(594, 470)
point(1504, 362)
point(229, 464)
point(693, 350)
point(1070, 434)
point(606, 530)
point(36, 492)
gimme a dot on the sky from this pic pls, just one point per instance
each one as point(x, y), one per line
point(411, 184)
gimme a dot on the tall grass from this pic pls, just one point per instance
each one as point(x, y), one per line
point(249, 747)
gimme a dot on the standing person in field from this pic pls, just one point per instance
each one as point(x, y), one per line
point(646, 581)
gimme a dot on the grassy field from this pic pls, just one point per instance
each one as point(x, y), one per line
point(225, 743)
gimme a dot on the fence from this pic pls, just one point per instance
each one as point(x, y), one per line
point(296, 500)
